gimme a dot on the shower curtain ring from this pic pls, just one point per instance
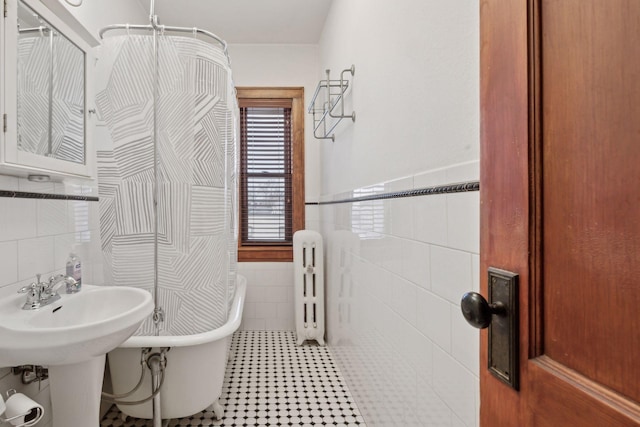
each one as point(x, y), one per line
point(127, 27)
point(195, 32)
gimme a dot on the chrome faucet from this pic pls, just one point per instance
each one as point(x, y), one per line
point(40, 294)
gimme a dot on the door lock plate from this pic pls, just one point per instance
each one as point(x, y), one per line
point(503, 330)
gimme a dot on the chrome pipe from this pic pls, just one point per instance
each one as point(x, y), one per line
point(155, 364)
point(41, 29)
point(157, 319)
point(343, 88)
point(163, 28)
point(152, 11)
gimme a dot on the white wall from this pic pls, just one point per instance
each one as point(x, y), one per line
point(94, 15)
point(270, 285)
point(283, 65)
point(396, 268)
point(415, 90)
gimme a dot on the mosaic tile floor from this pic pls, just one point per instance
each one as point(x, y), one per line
point(272, 382)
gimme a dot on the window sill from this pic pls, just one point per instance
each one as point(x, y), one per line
point(265, 254)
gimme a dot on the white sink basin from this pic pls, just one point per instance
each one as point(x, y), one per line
point(76, 328)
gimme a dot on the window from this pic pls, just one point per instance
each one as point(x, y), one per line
point(271, 172)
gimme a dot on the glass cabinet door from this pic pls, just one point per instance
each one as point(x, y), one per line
point(45, 74)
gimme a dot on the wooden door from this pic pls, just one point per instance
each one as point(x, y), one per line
point(560, 206)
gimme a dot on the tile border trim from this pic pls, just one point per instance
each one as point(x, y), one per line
point(462, 187)
point(48, 196)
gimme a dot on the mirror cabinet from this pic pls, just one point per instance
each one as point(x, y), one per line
point(46, 87)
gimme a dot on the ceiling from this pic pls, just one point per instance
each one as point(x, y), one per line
point(248, 21)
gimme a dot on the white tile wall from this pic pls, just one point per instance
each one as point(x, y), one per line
point(269, 303)
point(393, 295)
point(36, 236)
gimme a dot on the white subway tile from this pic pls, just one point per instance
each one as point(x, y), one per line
point(464, 172)
point(79, 216)
point(276, 324)
point(382, 284)
point(52, 217)
point(410, 347)
point(401, 212)
point(256, 293)
point(405, 392)
point(434, 411)
point(392, 254)
point(455, 385)
point(403, 298)
point(266, 310)
point(285, 310)
point(434, 318)
point(400, 184)
point(465, 341)
point(372, 249)
point(19, 219)
point(254, 324)
point(450, 273)
point(277, 294)
point(312, 213)
point(430, 179)
point(475, 272)
point(477, 392)
point(438, 262)
point(35, 256)
point(424, 357)
point(463, 222)
point(249, 310)
point(416, 263)
point(286, 275)
point(8, 262)
point(430, 219)
point(457, 422)
point(269, 278)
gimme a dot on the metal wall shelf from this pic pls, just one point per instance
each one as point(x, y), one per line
point(328, 97)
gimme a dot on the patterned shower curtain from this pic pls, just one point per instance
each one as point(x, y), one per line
point(195, 174)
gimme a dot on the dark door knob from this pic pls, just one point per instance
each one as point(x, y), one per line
point(477, 311)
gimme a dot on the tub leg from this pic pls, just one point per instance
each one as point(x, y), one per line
point(217, 409)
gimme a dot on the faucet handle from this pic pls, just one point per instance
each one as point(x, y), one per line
point(28, 288)
point(33, 296)
point(39, 283)
point(33, 287)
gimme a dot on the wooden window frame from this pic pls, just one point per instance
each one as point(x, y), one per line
point(280, 253)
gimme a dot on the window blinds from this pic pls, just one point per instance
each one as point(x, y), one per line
point(265, 172)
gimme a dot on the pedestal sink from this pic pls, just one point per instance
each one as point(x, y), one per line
point(71, 336)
